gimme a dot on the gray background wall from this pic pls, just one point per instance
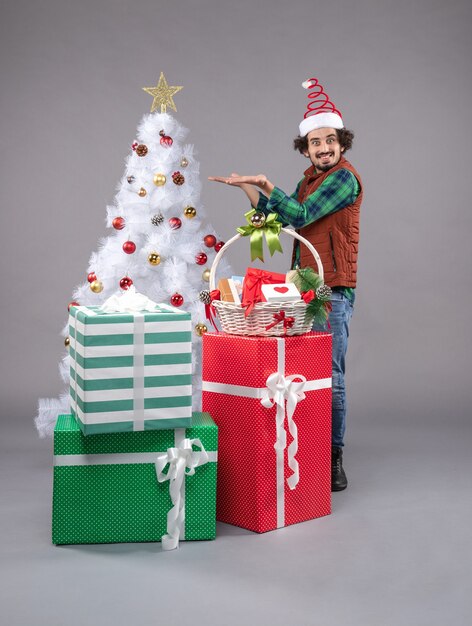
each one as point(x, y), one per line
point(71, 99)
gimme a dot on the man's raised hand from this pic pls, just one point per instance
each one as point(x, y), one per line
point(247, 184)
point(260, 180)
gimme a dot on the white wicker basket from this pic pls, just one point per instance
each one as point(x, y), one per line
point(231, 314)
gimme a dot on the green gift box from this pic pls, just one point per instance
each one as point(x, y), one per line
point(134, 486)
point(130, 371)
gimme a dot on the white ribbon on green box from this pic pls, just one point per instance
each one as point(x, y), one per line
point(130, 369)
point(285, 392)
point(182, 460)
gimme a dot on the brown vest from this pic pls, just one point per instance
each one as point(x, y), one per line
point(336, 236)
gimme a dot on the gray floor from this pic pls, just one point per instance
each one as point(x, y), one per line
point(396, 550)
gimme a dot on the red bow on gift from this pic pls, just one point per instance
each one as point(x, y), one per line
point(308, 296)
point(253, 281)
point(210, 311)
point(281, 317)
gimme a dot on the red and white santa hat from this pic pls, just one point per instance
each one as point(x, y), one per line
point(320, 112)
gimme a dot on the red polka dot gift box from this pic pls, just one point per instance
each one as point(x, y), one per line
point(271, 400)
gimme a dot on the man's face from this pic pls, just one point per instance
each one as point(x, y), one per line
point(324, 149)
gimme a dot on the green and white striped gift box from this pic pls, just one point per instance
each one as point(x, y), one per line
point(130, 371)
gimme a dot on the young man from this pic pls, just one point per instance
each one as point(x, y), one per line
point(325, 210)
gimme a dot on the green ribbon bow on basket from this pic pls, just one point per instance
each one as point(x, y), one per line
point(259, 225)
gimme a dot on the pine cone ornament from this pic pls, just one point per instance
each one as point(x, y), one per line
point(323, 293)
point(205, 296)
point(157, 219)
point(178, 178)
point(141, 150)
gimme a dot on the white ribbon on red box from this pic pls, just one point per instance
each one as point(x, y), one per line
point(280, 390)
point(285, 392)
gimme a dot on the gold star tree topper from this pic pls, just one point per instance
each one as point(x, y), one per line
point(162, 95)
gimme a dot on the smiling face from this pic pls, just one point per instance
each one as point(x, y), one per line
point(324, 149)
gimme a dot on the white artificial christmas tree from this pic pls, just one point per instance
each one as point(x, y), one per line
point(159, 243)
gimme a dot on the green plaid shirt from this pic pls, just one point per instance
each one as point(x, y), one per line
point(338, 190)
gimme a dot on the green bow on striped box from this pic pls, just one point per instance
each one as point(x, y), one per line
point(130, 371)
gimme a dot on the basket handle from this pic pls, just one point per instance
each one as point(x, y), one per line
point(288, 231)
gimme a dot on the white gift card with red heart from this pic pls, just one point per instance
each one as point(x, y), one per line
point(280, 292)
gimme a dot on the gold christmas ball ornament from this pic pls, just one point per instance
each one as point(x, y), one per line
point(206, 275)
point(159, 179)
point(190, 212)
point(142, 192)
point(96, 286)
point(67, 342)
point(258, 220)
point(154, 258)
point(200, 329)
point(183, 162)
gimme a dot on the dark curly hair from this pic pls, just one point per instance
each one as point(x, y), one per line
point(345, 138)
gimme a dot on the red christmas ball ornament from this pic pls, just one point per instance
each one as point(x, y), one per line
point(201, 258)
point(129, 247)
point(209, 240)
point(73, 303)
point(166, 141)
point(91, 277)
point(118, 223)
point(175, 222)
point(219, 245)
point(126, 282)
point(177, 299)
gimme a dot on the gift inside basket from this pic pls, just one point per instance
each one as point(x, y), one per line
point(280, 318)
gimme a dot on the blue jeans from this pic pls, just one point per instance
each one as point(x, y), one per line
point(339, 320)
